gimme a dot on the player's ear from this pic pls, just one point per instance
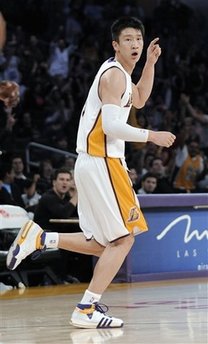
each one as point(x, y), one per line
point(115, 45)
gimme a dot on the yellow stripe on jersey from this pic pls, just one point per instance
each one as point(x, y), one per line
point(130, 211)
point(96, 140)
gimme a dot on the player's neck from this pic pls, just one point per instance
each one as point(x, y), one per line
point(129, 67)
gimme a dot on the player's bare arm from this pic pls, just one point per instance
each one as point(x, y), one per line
point(142, 90)
point(112, 86)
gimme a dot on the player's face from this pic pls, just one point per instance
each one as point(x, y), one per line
point(130, 45)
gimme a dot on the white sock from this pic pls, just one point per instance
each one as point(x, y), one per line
point(51, 239)
point(90, 297)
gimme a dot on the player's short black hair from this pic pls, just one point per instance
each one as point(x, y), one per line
point(123, 23)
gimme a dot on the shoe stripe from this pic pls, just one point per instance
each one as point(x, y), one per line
point(104, 323)
point(109, 323)
point(38, 244)
point(100, 323)
point(11, 265)
point(25, 231)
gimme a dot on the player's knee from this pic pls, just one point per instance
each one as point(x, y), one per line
point(126, 241)
point(98, 249)
point(130, 240)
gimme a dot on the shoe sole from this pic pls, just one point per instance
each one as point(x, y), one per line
point(15, 247)
point(82, 325)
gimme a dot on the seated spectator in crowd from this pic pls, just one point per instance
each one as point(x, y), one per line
point(30, 196)
point(7, 123)
point(163, 183)
point(56, 203)
point(186, 178)
point(19, 175)
point(148, 157)
point(134, 178)
point(148, 183)
point(9, 191)
point(69, 162)
point(45, 172)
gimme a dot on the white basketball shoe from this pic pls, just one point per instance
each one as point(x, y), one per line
point(94, 316)
point(29, 239)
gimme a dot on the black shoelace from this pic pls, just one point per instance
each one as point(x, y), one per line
point(100, 307)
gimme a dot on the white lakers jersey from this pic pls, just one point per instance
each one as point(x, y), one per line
point(91, 138)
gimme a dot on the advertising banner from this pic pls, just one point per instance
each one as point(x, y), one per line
point(177, 240)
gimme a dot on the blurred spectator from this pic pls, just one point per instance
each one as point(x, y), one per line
point(148, 157)
point(59, 59)
point(18, 168)
point(30, 196)
point(201, 119)
point(60, 202)
point(46, 170)
point(134, 178)
point(7, 122)
point(69, 162)
point(9, 191)
point(11, 71)
point(191, 168)
point(74, 25)
point(58, 120)
point(202, 180)
point(148, 183)
point(163, 182)
point(25, 129)
point(56, 202)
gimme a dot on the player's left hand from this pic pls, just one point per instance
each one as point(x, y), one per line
point(153, 51)
point(9, 93)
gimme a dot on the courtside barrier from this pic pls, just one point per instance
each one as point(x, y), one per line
point(176, 245)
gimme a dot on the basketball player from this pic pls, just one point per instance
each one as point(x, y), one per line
point(109, 211)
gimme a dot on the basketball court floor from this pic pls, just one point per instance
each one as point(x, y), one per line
point(161, 312)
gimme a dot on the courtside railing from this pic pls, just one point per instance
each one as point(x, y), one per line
point(34, 146)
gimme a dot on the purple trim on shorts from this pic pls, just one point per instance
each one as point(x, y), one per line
point(89, 238)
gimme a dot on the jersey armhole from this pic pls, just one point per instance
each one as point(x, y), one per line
point(101, 76)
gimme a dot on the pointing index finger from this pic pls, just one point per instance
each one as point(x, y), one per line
point(155, 40)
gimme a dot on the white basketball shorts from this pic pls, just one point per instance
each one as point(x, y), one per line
point(108, 207)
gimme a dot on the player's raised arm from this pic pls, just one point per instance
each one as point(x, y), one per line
point(143, 89)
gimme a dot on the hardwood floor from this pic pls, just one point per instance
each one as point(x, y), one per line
point(162, 312)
